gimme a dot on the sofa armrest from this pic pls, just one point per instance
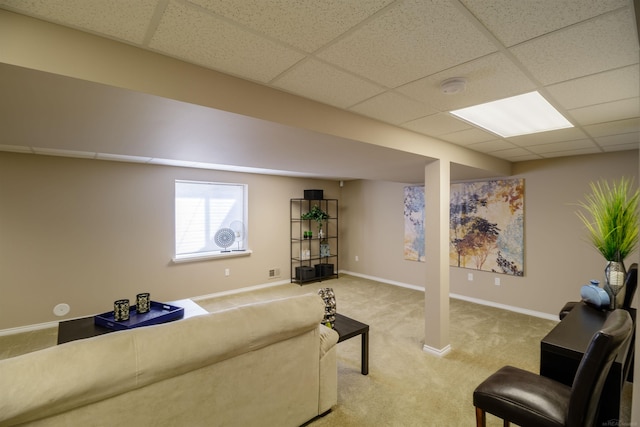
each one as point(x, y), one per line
point(328, 339)
point(328, 369)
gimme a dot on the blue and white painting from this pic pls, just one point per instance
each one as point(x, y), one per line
point(414, 243)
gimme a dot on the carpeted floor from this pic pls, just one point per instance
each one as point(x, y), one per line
point(405, 386)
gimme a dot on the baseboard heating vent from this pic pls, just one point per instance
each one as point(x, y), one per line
point(274, 273)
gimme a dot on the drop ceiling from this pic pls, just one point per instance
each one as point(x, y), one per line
point(385, 59)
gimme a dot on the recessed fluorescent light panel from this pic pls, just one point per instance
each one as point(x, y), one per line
point(518, 115)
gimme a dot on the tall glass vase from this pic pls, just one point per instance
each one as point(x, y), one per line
point(615, 275)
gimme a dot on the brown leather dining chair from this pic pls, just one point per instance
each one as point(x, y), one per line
point(529, 400)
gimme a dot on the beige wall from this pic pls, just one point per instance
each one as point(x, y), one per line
point(557, 259)
point(374, 232)
point(87, 232)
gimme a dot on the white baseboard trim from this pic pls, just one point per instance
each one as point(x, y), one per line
point(520, 310)
point(54, 324)
point(29, 328)
point(379, 279)
point(437, 351)
point(240, 290)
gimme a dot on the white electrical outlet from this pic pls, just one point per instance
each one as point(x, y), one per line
point(497, 281)
point(470, 277)
point(227, 272)
point(357, 258)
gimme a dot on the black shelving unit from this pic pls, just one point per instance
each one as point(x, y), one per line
point(313, 258)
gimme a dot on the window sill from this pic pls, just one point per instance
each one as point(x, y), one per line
point(210, 255)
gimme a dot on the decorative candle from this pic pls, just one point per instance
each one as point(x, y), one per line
point(121, 310)
point(143, 302)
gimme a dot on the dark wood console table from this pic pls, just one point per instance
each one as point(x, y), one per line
point(77, 329)
point(562, 349)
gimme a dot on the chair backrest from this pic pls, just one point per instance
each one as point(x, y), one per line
point(594, 368)
point(630, 284)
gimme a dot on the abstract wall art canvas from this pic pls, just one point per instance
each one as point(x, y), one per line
point(487, 226)
point(414, 223)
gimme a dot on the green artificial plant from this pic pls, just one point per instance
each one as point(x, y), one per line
point(316, 214)
point(611, 218)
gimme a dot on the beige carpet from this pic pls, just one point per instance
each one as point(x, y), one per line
point(407, 386)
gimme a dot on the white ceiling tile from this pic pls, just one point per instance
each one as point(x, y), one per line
point(625, 138)
point(488, 78)
point(437, 124)
point(511, 153)
point(611, 111)
point(468, 136)
point(623, 147)
point(413, 39)
point(513, 22)
point(580, 144)
point(316, 80)
point(123, 19)
point(608, 86)
point(614, 128)
point(522, 158)
point(201, 38)
point(574, 152)
point(491, 146)
point(568, 134)
point(583, 49)
point(516, 151)
point(392, 108)
point(307, 25)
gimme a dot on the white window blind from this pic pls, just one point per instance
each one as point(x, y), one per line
point(202, 210)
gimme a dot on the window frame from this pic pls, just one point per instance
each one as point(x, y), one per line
point(211, 254)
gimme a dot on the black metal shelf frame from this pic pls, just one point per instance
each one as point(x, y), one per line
point(308, 264)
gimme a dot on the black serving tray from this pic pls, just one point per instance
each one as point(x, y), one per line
point(158, 313)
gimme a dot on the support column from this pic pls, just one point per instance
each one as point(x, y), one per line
point(436, 291)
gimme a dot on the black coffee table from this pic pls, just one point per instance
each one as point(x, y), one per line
point(349, 328)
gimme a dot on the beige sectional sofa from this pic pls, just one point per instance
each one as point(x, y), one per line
point(264, 364)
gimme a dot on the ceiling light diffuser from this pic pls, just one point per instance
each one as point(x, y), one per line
point(518, 115)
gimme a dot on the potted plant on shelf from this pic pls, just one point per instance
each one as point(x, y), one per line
point(317, 215)
point(611, 220)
